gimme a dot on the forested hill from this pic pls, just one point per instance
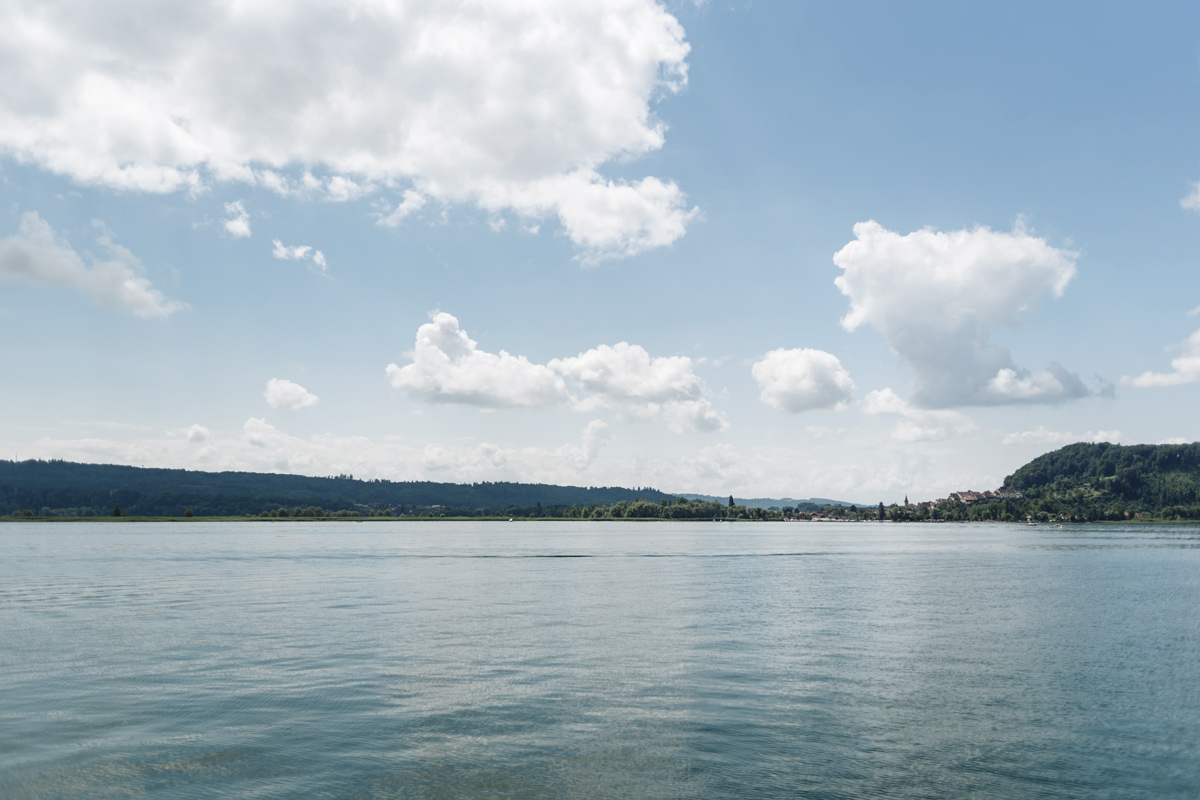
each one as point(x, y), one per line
point(1143, 477)
point(88, 489)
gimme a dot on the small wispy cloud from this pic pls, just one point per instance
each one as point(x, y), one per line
point(1191, 201)
point(237, 221)
point(411, 203)
point(1185, 368)
point(301, 252)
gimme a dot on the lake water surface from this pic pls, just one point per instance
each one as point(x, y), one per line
point(598, 660)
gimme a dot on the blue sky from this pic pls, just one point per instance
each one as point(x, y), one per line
point(806, 249)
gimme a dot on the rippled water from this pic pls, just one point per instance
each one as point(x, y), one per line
point(598, 660)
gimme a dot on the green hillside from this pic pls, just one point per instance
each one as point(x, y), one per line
point(1105, 481)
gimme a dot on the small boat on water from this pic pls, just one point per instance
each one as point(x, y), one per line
point(1031, 522)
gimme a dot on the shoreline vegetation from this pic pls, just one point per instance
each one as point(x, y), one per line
point(1078, 483)
point(1139, 520)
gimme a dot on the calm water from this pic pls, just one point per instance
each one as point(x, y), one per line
point(497, 660)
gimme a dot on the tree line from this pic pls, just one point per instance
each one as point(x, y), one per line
point(1079, 482)
point(64, 488)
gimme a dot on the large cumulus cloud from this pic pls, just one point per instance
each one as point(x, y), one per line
point(938, 296)
point(626, 377)
point(802, 379)
point(447, 366)
point(511, 106)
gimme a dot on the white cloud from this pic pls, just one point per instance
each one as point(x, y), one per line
point(1176, 440)
point(286, 253)
point(261, 446)
point(581, 457)
point(37, 256)
point(257, 432)
point(198, 434)
point(1035, 385)
point(412, 203)
point(237, 224)
point(282, 393)
point(936, 297)
point(340, 189)
point(1043, 435)
point(595, 436)
point(487, 461)
point(1186, 368)
point(917, 424)
point(606, 219)
point(1191, 201)
point(625, 377)
point(506, 105)
point(448, 367)
point(802, 379)
point(300, 252)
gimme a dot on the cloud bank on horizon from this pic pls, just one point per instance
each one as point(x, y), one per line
point(506, 106)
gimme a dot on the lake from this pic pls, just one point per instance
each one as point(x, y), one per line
point(598, 660)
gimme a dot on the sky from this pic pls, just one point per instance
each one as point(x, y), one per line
point(863, 251)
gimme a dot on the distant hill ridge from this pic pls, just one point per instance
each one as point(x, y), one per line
point(811, 504)
point(150, 491)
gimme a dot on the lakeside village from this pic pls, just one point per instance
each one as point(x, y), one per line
point(1001, 505)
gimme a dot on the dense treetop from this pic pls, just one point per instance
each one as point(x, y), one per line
point(1147, 475)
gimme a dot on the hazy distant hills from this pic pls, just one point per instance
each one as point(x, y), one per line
point(776, 502)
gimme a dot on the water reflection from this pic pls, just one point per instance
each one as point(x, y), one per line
point(588, 660)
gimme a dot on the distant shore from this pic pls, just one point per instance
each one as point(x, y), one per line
point(406, 519)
